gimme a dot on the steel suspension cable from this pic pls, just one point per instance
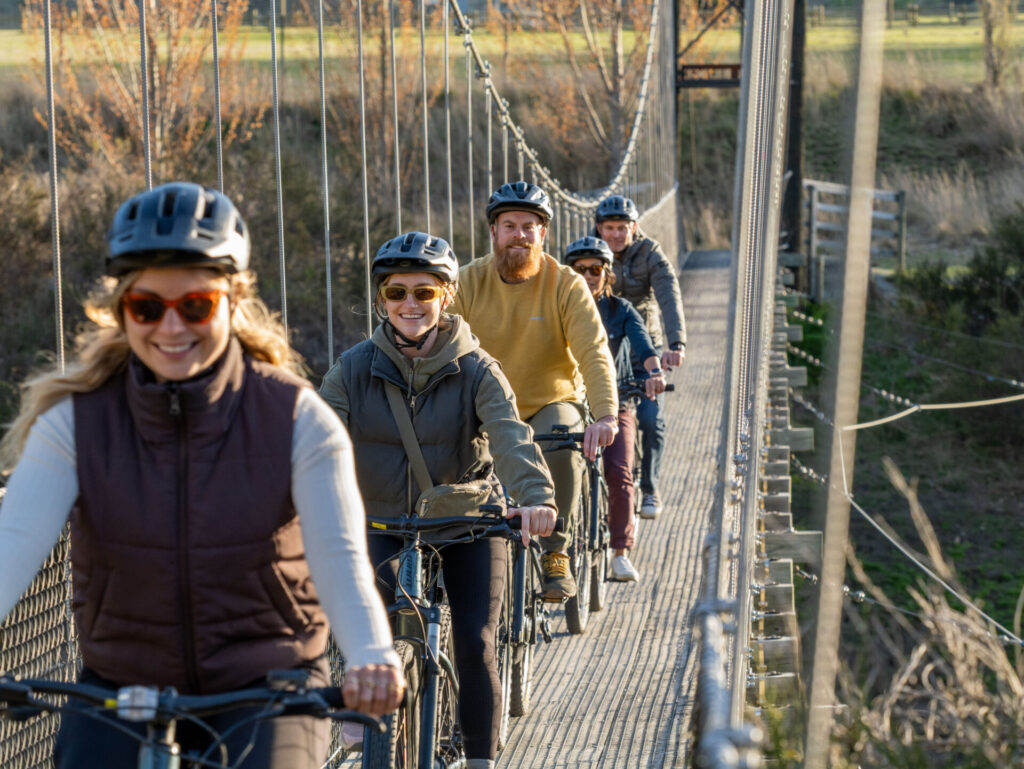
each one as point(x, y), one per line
point(277, 163)
point(51, 132)
point(423, 101)
point(216, 95)
point(325, 183)
point(145, 79)
point(490, 139)
point(554, 188)
point(366, 181)
point(469, 152)
point(448, 126)
point(394, 121)
point(504, 150)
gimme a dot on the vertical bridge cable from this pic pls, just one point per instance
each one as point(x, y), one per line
point(216, 95)
point(394, 122)
point(58, 290)
point(490, 137)
point(325, 181)
point(366, 181)
point(469, 151)
point(504, 149)
point(277, 163)
point(448, 127)
point(144, 63)
point(426, 116)
point(519, 154)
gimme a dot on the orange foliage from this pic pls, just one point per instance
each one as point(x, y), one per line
point(98, 81)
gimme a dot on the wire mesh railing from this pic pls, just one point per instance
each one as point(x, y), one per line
point(38, 638)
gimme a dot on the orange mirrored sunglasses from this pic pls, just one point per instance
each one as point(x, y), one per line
point(593, 269)
point(193, 307)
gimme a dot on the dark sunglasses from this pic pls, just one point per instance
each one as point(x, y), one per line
point(397, 293)
point(592, 269)
point(193, 307)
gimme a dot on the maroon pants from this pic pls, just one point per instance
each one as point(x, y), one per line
point(618, 474)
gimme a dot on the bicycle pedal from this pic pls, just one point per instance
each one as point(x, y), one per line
point(545, 630)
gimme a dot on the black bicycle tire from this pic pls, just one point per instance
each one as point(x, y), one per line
point(577, 608)
point(602, 553)
point(503, 652)
point(522, 653)
point(521, 695)
point(397, 747)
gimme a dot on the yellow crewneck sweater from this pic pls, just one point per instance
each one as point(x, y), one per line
point(545, 332)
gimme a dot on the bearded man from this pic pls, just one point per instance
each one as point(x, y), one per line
point(536, 317)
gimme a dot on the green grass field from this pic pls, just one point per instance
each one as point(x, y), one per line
point(299, 44)
point(936, 49)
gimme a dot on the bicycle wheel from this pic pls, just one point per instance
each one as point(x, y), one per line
point(441, 703)
point(503, 652)
point(524, 580)
point(601, 555)
point(577, 608)
point(397, 747)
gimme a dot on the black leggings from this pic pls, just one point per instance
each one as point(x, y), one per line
point(291, 742)
point(474, 577)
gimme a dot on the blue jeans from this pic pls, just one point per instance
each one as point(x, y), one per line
point(652, 429)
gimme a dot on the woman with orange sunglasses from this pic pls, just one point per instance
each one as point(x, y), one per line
point(208, 488)
point(464, 416)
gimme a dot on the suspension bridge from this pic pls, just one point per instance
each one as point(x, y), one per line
point(679, 669)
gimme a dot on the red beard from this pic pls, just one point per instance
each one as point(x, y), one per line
point(516, 267)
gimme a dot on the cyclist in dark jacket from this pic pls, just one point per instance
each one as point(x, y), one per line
point(465, 419)
point(645, 276)
point(627, 338)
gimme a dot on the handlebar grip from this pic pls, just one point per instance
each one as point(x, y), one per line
point(670, 388)
point(517, 523)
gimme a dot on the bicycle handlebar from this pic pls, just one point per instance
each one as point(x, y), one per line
point(488, 525)
point(145, 703)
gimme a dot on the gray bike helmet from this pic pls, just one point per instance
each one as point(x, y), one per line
point(519, 196)
point(616, 207)
point(415, 252)
point(588, 247)
point(179, 224)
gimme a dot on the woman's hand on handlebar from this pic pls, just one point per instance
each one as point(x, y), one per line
point(538, 520)
point(599, 433)
point(373, 689)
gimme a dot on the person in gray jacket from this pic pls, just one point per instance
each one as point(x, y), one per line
point(644, 275)
point(468, 428)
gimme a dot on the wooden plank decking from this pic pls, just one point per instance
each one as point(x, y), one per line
point(621, 695)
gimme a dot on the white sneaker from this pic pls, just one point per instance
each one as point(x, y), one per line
point(623, 570)
point(651, 506)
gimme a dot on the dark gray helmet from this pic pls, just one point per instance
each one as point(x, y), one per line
point(588, 247)
point(416, 252)
point(179, 224)
point(519, 196)
point(616, 207)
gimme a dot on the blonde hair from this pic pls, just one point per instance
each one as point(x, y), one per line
point(102, 350)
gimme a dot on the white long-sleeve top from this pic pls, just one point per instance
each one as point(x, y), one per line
point(44, 486)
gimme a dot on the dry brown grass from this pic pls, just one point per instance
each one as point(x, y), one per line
point(934, 690)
